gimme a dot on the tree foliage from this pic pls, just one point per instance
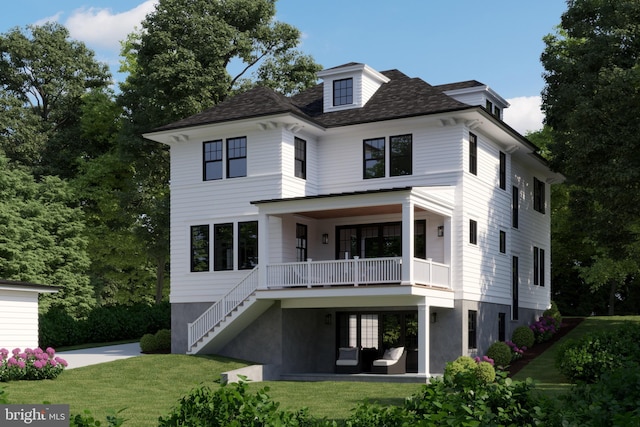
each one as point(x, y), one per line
point(42, 238)
point(179, 64)
point(44, 77)
point(591, 103)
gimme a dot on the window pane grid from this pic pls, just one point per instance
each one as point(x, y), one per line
point(473, 154)
point(236, 157)
point(212, 160)
point(342, 92)
point(300, 158)
point(374, 166)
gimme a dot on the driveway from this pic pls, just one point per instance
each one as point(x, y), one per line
point(95, 355)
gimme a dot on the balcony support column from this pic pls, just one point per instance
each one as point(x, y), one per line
point(423, 339)
point(407, 242)
point(263, 251)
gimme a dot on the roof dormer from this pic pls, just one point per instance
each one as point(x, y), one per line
point(349, 86)
point(475, 93)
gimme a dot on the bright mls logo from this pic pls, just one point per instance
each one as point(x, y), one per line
point(34, 415)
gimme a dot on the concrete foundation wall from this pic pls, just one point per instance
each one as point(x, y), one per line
point(261, 341)
point(309, 340)
point(181, 315)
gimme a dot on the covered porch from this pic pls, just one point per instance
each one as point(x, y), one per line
point(315, 323)
point(398, 236)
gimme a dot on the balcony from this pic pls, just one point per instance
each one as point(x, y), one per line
point(355, 272)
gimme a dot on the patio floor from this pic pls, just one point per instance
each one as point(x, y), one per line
point(381, 378)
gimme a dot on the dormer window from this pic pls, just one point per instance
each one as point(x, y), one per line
point(343, 92)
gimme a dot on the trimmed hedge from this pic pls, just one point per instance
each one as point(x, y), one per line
point(500, 353)
point(103, 324)
point(523, 337)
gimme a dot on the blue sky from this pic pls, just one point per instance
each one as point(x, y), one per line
point(496, 42)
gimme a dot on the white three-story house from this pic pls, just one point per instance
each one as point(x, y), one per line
point(372, 211)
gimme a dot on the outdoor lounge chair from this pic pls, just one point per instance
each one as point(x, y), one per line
point(348, 360)
point(394, 361)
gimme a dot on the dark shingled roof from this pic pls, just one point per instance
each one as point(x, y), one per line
point(401, 97)
point(459, 85)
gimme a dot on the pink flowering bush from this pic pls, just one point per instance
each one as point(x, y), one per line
point(516, 352)
point(545, 328)
point(30, 364)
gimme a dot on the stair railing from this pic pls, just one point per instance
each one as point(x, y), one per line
point(215, 314)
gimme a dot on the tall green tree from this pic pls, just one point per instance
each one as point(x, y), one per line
point(44, 77)
point(182, 62)
point(42, 238)
point(591, 101)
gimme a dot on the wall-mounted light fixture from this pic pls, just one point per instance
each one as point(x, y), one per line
point(327, 319)
point(434, 317)
point(440, 230)
point(325, 238)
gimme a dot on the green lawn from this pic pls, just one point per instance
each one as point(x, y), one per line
point(149, 386)
point(542, 369)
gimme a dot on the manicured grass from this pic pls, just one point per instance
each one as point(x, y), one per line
point(543, 370)
point(150, 385)
point(334, 400)
point(147, 386)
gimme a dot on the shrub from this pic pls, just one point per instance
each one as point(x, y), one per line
point(588, 358)
point(149, 343)
point(500, 353)
point(30, 364)
point(554, 313)
point(231, 405)
point(164, 340)
point(103, 324)
point(523, 337)
point(545, 328)
point(485, 372)
point(467, 371)
point(516, 352)
point(614, 400)
point(501, 402)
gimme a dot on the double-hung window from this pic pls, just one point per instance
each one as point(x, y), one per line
point(374, 166)
point(515, 204)
point(212, 154)
point(473, 232)
point(538, 266)
point(473, 153)
point(236, 157)
point(343, 92)
point(400, 156)
point(300, 158)
point(503, 171)
point(301, 242)
point(538, 195)
point(472, 329)
point(213, 158)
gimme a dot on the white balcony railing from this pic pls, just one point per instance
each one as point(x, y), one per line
point(353, 272)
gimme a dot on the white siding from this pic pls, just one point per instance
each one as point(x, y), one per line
point(18, 319)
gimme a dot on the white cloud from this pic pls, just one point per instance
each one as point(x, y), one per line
point(101, 29)
point(53, 18)
point(524, 114)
